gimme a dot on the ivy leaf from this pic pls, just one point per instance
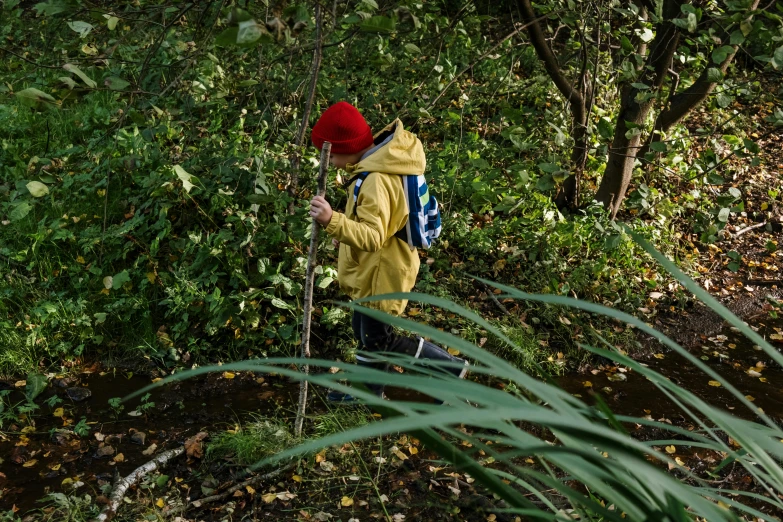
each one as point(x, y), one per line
point(78, 72)
point(723, 215)
point(83, 28)
point(37, 189)
point(36, 383)
point(378, 24)
point(545, 183)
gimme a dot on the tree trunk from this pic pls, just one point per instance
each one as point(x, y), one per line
point(568, 195)
point(622, 154)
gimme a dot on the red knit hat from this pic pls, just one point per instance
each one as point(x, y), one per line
point(344, 127)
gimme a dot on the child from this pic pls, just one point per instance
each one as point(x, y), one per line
point(373, 258)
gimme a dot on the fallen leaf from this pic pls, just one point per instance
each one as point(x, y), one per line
point(346, 502)
point(229, 375)
point(194, 447)
point(413, 450)
point(296, 478)
point(269, 497)
point(658, 356)
point(250, 489)
point(30, 463)
point(671, 450)
point(714, 383)
point(150, 450)
point(119, 457)
point(160, 503)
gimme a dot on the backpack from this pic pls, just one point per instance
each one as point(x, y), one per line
point(423, 224)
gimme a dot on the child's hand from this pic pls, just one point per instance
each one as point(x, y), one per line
point(320, 210)
point(335, 243)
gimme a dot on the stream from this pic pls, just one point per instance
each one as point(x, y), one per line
point(48, 457)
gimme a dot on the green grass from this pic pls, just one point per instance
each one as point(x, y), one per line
point(252, 441)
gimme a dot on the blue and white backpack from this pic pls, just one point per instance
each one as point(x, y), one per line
point(423, 224)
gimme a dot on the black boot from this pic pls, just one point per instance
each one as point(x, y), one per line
point(432, 353)
point(377, 389)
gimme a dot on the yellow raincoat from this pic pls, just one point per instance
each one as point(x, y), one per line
point(372, 261)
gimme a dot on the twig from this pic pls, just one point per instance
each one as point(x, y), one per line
point(30, 61)
point(748, 229)
point(308, 296)
point(156, 45)
point(230, 491)
point(115, 500)
point(296, 160)
point(491, 295)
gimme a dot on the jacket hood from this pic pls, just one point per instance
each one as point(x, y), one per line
point(396, 151)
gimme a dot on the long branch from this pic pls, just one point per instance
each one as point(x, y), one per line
point(115, 500)
point(296, 159)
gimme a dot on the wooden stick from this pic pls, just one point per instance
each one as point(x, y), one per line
point(316, 68)
point(115, 500)
point(751, 227)
point(308, 297)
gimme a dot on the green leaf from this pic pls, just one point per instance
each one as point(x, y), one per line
point(549, 167)
point(777, 58)
point(248, 32)
point(378, 24)
point(161, 480)
point(279, 303)
point(733, 266)
point(120, 279)
point(78, 72)
point(659, 146)
point(714, 75)
point(111, 22)
point(715, 179)
point(605, 128)
point(20, 211)
point(746, 27)
point(724, 100)
point(37, 189)
point(227, 37)
point(720, 54)
point(36, 384)
point(751, 145)
point(631, 133)
point(545, 183)
point(723, 215)
point(248, 83)
point(186, 178)
point(737, 37)
point(100, 317)
point(68, 81)
point(640, 86)
point(83, 28)
point(51, 7)
point(412, 48)
point(115, 84)
point(33, 97)
point(734, 191)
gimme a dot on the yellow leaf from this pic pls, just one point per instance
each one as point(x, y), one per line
point(30, 463)
point(28, 429)
point(679, 461)
point(178, 480)
point(658, 356)
point(453, 351)
point(269, 498)
point(119, 457)
point(296, 478)
point(588, 384)
point(751, 398)
point(151, 277)
point(59, 412)
point(250, 489)
point(671, 450)
point(55, 467)
point(228, 375)
point(80, 260)
point(320, 458)
point(413, 450)
point(346, 502)
point(714, 383)
point(160, 503)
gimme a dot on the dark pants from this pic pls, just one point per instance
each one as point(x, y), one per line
point(376, 336)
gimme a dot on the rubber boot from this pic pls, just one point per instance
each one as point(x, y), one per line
point(432, 353)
